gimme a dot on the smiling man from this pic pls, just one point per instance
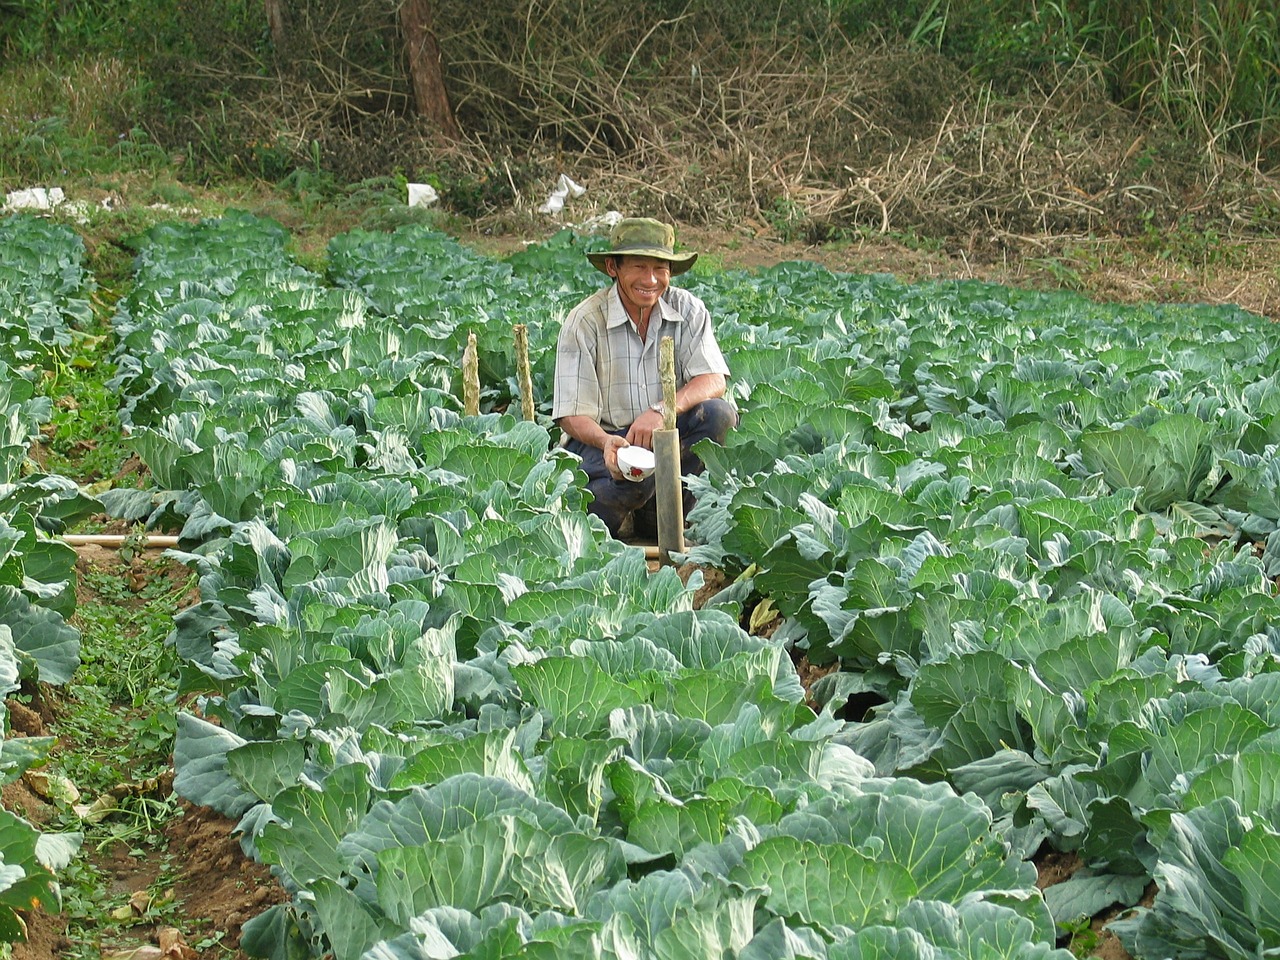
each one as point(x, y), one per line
point(608, 391)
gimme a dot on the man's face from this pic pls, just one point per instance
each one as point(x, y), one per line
point(641, 280)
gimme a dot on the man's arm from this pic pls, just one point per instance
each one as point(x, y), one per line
point(705, 386)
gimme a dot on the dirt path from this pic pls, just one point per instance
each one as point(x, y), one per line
point(179, 893)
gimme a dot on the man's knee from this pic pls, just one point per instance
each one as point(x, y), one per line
point(614, 500)
point(714, 419)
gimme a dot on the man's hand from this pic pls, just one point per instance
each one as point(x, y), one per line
point(611, 447)
point(641, 429)
point(585, 430)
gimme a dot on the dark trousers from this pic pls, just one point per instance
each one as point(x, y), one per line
point(615, 500)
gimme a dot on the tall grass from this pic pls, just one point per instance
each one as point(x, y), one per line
point(1209, 67)
point(72, 118)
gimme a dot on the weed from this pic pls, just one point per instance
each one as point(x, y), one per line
point(212, 940)
point(311, 186)
point(116, 727)
point(473, 193)
point(137, 822)
point(100, 914)
point(786, 217)
point(75, 115)
point(107, 746)
point(172, 192)
point(82, 884)
point(83, 439)
point(1083, 939)
point(709, 264)
point(388, 217)
point(123, 649)
point(1187, 244)
point(118, 720)
point(76, 444)
point(151, 733)
point(931, 26)
point(914, 241)
point(1061, 270)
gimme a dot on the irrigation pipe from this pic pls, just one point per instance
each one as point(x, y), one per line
point(158, 542)
point(118, 540)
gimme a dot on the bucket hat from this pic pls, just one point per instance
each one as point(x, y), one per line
point(643, 237)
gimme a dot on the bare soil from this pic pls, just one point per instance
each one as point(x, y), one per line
point(215, 892)
point(213, 888)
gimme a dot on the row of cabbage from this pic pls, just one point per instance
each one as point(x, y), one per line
point(1038, 535)
point(43, 285)
point(453, 715)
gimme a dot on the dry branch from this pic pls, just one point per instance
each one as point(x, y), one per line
point(705, 117)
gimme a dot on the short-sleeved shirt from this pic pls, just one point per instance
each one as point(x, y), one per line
point(604, 372)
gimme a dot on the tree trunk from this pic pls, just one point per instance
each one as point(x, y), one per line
point(429, 94)
point(276, 24)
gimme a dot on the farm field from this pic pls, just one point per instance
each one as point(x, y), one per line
point(1022, 545)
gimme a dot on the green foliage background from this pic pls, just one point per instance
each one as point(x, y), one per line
point(1212, 68)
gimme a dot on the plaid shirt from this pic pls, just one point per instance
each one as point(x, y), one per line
point(604, 372)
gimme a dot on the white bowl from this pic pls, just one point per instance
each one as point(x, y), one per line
point(636, 463)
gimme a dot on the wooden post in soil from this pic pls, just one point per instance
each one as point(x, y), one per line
point(523, 372)
point(470, 378)
point(668, 491)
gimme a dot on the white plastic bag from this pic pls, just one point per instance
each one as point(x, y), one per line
point(35, 198)
point(602, 223)
point(565, 189)
point(48, 200)
point(422, 195)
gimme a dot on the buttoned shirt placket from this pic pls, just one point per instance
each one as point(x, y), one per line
point(644, 352)
point(648, 346)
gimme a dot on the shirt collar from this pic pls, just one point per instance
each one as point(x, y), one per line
point(616, 314)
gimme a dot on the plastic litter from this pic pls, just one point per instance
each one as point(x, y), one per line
point(602, 223)
point(35, 198)
point(422, 195)
point(167, 208)
point(565, 190)
point(47, 200)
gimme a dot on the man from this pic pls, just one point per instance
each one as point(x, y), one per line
point(608, 391)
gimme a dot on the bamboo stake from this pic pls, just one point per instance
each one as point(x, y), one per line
point(117, 540)
point(667, 370)
point(162, 542)
point(666, 453)
point(523, 372)
point(470, 378)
